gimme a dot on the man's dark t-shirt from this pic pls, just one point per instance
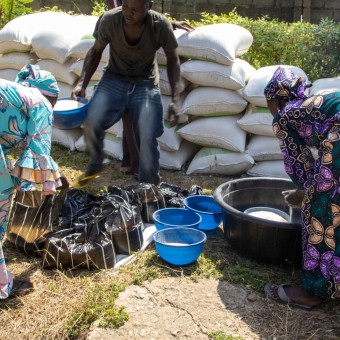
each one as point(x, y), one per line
point(136, 64)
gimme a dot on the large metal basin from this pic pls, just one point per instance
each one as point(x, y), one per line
point(263, 240)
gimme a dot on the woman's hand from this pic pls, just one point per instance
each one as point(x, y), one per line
point(294, 198)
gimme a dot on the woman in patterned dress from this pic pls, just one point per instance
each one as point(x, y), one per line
point(301, 122)
point(25, 114)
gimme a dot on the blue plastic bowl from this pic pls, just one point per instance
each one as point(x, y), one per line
point(207, 208)
point(179, 246)
point(71, 119)
point(176, 217)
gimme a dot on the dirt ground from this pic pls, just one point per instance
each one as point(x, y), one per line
point(178, 308)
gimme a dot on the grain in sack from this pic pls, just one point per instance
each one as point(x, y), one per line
point(220, 161)
point(207, 73)
point(213, 102)
point(220, 43)
point(268, 169)
point(264, 148)
point(221, 132)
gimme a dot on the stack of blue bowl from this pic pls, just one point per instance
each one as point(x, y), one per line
point(207, 208)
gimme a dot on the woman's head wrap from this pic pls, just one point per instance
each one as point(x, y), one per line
point(31, 76)
point(286, 85)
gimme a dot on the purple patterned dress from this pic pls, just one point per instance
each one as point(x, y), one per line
point(315, 122)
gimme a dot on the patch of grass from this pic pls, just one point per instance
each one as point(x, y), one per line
point(98, 305)
point(220, 335)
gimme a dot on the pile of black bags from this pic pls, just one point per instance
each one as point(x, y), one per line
point(76, 229)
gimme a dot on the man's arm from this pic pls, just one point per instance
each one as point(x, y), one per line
point(173, 70)
point(91, 63)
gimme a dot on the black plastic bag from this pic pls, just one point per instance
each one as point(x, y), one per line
point(32, 217)
point(84, 246)
point(150, 198)
point(174, 195)
point(125, 227)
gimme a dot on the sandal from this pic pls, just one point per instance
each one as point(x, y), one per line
point(282, 297)
point(83, 181)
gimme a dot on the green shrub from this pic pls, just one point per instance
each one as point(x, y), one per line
point(10, 9)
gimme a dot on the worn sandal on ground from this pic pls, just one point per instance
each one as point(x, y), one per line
point(83, 181)
point(20, 288)
point(282, 296)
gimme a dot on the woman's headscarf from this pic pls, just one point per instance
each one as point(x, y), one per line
point(31, 76)
point(286, 85)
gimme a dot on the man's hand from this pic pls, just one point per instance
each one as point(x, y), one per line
point(181, 25)
point(173, 113)
point(78, 91)
point(294, 198)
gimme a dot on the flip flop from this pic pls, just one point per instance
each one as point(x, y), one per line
point(283, 297)
point(20, 288)
point(83, 181)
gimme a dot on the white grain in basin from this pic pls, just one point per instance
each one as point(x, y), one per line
point(65, 105)
point(268, 215)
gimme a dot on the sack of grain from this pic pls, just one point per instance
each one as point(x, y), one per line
point(257, 120)
point(264, 148)
point(207, 73)
point(268, 169)
point(325, 85)
point(77, 67)
point(116, 129)
point(213, 102)
point(220, 161)
point(60, 71)
point(160, 56)
point(164, 83)
point(220, 43)
point(220, 132)
point(65, 89)
point(16, 36)
point(8, 74)
point(67, 138)
point(17, 60)
point(80, 48)
point(174, 160)
point(253, 92)
point(170, 139)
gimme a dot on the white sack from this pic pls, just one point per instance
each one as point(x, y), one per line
point(80, 48)
point(65, 89)
point(8, 74)
point(17, 60)
point(116, 129)
point(220, 161)
point(325, 85)
point(170, 139)
point(268, 169)
point(207, 73)
point(67, 138)
point(16, 36)
point(220, 43)
point(257, 120)
point(263, 148)
point(164, 83)
point(213, 102)
point(253, 92)
point(78, 66)
point(175, 160)
point(160, 56)
point(60, 71)
point(55, 41)
point(220, 132)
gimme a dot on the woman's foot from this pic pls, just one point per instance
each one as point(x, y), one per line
point(295, 296)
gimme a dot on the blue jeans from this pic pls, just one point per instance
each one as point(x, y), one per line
point(111, 100)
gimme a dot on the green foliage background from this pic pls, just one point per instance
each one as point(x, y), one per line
point(313, 48)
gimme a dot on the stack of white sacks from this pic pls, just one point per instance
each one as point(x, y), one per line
point(225, 127)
